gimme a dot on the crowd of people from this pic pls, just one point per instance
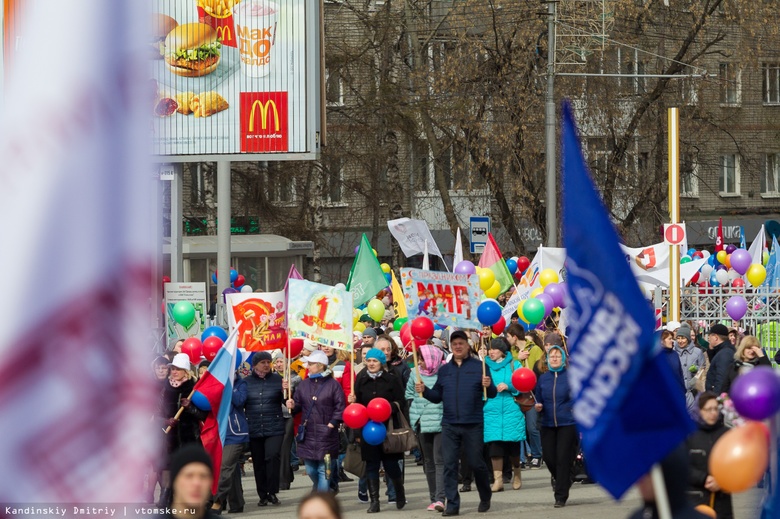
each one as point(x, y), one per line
point(471, 423)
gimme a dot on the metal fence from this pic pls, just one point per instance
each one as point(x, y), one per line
point(704, 307)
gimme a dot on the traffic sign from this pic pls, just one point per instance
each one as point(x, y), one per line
point(674, 233)
point(479, 228)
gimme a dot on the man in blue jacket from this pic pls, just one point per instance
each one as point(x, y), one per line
point(460, 389)
point(236, 439)
point(721, 357)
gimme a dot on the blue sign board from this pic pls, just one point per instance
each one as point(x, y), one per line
point(479, 228)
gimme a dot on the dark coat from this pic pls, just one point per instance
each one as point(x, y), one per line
point(387, 386)
point(721, 360)
point(319, 439)
point(401, 369)
point(263, 405)
point(460, 389)
point(673, 359)
point(735, 367)
point(552, 391)
point(238, 427)
point(187, 429)
point(700, 445)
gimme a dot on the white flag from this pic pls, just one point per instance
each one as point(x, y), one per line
point(458, 254)
point(412, 236)
point(426, 265)
point(75, 355)
point(756, 249)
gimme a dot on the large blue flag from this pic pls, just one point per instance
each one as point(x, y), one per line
point(773, 266)
point(628, 406)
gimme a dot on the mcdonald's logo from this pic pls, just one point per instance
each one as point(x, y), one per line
point(263, 115)
point(224, 33)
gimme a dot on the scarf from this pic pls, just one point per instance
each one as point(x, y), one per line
point(563, 360)
point(325, 373)
point(374, 375)
point(433, 358)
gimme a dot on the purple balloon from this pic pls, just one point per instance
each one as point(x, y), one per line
point(357, 248)
point(547, 301)
point(465, 267)
point(555, 291)
point(565, 291)
point(227, 291)
point(736, 307)
point(721, 267)
point(756, 394)
point(730, 248)
point(740, 261)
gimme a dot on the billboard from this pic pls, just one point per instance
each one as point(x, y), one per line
point(235, 79)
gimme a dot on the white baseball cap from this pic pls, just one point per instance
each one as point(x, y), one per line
point(181, 361)
point(672, 326)
point(317, 356)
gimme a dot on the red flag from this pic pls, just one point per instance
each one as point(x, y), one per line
point(719, 240)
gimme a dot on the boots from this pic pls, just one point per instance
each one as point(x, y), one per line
point(373, 495)
point(400, 494)
point(517, 481)
point(165, 498)
point(498, 481)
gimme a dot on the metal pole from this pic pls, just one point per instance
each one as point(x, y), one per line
point(674, 212)
point(223, 236)
point(157, 259)
point(176, 224)
point(549, 124)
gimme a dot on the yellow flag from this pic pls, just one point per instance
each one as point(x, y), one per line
point(399, 305)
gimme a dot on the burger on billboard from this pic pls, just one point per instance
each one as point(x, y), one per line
point(236, 78)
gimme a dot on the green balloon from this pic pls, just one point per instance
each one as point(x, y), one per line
point(685, 259)
point(184, 313)
point(398, 323)
point(533, 310)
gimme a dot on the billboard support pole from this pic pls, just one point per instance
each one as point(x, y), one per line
point(674, 212)
point(176, 224)
point(223, 237)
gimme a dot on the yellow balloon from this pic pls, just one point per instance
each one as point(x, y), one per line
point(385, 268)
point(536, 291)
point(360, 327)
point(721, 256)
point(486, 279)
point(756, 274)
point(494, 290)
point(520, 311)
point(374, 251)
point(547, 276)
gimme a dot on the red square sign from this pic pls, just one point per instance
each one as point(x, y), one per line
point(264, 122)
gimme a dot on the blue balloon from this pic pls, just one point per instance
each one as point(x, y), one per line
point(214, 277)
point(233, 275)
point(374, 433)
point(200, 401)
point(239, 356)
point(489, 312)
point(214, 331)
point(691, 252)
point(711, 260)
point(388, 278)
point(511, 265)
point(713, 279)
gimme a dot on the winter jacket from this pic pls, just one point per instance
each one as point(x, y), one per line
point(401, 369)
point(674, 362)
point(187, 429)
point(459, 388)
point(700, 445)
point(387, 386)
point(721, 360)
point(552, 391)
point(263, 405)
point(739, 367)
point(504, 421)
point(423, 413)
point(319, 439)
point(238, 427)
point(690, 356)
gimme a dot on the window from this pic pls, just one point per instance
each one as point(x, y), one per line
point(730, 88)
point(689, 176)
point(197, 185)
point(280, 184)
point(688, 93)
point(333, 180)
point(334, 88)
point(771, 86)
point(421, 163)
point(770, 179)
point(728, 181)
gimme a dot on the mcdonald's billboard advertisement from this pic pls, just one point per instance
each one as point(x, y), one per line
point(236, 79)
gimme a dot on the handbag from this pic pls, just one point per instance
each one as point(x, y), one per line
point(526, 401)
point(399, 440)
point(353, 461)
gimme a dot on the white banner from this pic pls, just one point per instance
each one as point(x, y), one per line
point(412, 236)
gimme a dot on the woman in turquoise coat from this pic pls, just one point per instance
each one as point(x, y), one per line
point(504, 421)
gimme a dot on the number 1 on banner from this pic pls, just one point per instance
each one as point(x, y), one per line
point(323, 304)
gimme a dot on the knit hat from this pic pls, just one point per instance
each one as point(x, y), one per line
point(277, 354)
point(719, 329)
point(458, 334)
point(189, 453)
point(499, 344)
point(684, 331)
point(376, 353)
point(260, 355)
point(310, 346)
point(369, 332)
point(553, 338)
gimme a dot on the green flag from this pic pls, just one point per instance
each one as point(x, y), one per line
point(366, 277)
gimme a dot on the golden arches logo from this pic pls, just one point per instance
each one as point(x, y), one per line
point(263, 115)
point(224, 33)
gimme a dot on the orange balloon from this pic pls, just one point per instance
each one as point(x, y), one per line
point(740, 457)
point(706, 510)
point(728, 261)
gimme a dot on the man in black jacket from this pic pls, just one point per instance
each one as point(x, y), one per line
point(460, 388)
point(721, 357)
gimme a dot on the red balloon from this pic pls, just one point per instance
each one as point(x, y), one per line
point(240, 280)
point(695, 278)
point(697, 255)
point(166, 279)
point(524, 380)
point(422, 328)
point(211, 346)
point(379, 410)
point(193, 348)
point(406, 333)
point(523, 263)
point(500, 326)
point(738, 283)
point(355, 416)
point(296, 347)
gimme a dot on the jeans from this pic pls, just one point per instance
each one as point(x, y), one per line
point(532, 432)
point(433, 464)
point(559, 445)
point(265, 460)
point(315, 469)
point(453, 438)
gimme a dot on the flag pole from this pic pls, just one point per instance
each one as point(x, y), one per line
point(287, 391)
point(416, 363)
point(661, 497)
point(484, 372)
point(352, 370)
point(178, 413)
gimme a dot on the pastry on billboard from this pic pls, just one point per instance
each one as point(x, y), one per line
point(185, 99)
point(162, 25)
point(208, 103)
point(192, 50)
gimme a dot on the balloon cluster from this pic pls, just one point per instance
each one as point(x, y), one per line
point(237, 283)
point(740, 457)
point(370, 419)
point(211, 340)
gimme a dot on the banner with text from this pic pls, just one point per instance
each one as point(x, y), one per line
point(447, 299)
point(194, 293)
point(320, 313)
point(263, 319)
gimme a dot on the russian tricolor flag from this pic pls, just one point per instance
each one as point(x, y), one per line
point(217, 386)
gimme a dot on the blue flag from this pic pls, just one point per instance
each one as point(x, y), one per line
point(628, 406)
point(742, 244)
point(773, 267)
